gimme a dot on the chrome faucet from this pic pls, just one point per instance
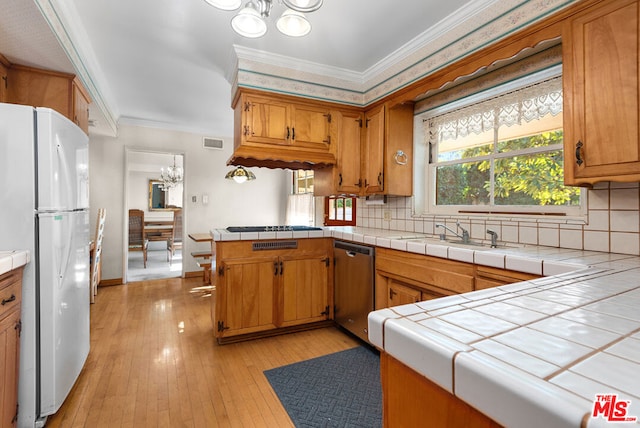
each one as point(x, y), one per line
point(464, 236)
point(494, 238)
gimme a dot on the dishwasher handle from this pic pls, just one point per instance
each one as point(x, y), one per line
point(350, 253)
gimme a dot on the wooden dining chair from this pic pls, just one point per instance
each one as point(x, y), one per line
point(137, 240)
point(96, 259)
point(175, 242)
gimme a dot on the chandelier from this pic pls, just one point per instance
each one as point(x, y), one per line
point(171, 176)
point(250, 20)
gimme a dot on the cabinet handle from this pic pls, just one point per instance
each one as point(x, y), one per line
point(366, 183)
point(281, 268)
point(380, 179)
point(247, 130)
point(340, 179)
point(328, 140)
point(9, 300)
point(579, 146)
point(359, 183)
point(392, 293)
point(275, 268)
point(328, 116)
point(293, 133)
point(288, 132)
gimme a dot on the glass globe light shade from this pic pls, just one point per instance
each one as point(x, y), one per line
point(225, 4)
point(304, 6)
point(248, 22)
point(293, 24)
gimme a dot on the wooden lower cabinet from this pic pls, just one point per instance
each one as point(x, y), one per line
point(403, 277)
point(488, 277)
point(10, 326)
point(264, 292)
point(412, 400)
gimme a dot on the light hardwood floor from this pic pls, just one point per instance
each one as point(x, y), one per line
point(154, 363)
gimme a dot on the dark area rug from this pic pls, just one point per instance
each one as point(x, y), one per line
point(336, 390)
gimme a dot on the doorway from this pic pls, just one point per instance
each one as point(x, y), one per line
point(160, 203)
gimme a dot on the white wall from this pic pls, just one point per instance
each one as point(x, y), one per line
point(262, 201)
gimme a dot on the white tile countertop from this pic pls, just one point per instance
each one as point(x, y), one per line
point(529, 354)
point(10, 260)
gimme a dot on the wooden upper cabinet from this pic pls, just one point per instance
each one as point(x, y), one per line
point(80, 104)
point(3, 82)
point(310, 127)
point(266, 121)
point(349, 178)
point(61, 92)
point(387, 150)
point(373, 152)
point(601, 94)
point(281, 132)
point(345, 178)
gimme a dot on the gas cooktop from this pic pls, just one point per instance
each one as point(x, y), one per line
point(270, 228)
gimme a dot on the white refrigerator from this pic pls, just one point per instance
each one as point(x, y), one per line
point(44, 201)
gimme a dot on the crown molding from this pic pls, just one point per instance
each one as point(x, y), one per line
point(63, 19)
point(423, 41)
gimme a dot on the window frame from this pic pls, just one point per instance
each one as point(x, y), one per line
point(425, 172)
point(329, 222)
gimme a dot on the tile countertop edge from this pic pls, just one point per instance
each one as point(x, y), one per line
point(10, 260)
point(512, 258)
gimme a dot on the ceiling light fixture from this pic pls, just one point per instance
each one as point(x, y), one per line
point(240, 175)
point(251, 19)
point(171, 177)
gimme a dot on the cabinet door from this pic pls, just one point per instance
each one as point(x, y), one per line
point(305, 294)
point(3, 83)
point(9, 360)
point(600, 61)
point(373, 151)
point(349, 149)
point(267, 121)
point(80, 108)
point(310, 127)
point(400, 294)
point(246, 295)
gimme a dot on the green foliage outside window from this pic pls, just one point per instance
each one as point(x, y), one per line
point(521, 179)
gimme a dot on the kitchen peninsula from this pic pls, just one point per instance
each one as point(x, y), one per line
point(532, 353)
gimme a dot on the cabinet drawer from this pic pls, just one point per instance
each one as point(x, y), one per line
point(10, 291)
point(418, 270)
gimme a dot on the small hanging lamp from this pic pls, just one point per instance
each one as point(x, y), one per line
point(240, 175)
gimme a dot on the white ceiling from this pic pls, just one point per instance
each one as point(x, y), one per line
point(167, 63)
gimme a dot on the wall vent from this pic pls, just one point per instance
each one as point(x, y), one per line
point(212, 143)
point(274, 245)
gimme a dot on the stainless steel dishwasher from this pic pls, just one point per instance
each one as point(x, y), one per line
point(354, 286)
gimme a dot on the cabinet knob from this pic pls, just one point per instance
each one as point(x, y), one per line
point(579, 146)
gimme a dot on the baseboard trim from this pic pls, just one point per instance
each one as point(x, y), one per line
point(110, 282)
point(194, 274)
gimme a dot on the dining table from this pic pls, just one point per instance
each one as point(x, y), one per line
point(158, 230)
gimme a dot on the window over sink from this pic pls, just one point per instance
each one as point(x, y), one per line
point(499, 151)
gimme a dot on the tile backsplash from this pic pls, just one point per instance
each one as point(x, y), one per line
point(612, 223)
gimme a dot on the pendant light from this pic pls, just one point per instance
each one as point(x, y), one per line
point(240, 175)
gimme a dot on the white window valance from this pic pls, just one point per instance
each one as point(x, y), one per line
point(524, 104)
